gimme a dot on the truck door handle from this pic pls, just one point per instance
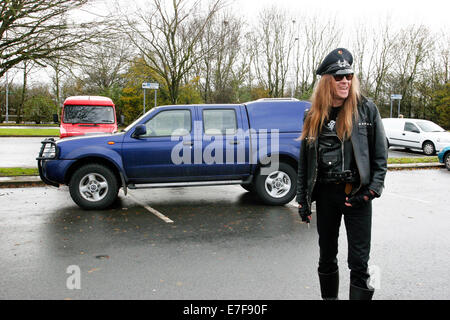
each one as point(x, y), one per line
point(188, 143)
point(234, 142)
point(403, 134)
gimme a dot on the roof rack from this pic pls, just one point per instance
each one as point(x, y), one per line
point(278, 99)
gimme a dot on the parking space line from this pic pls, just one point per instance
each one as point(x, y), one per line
point(150, 209)
point(409, 198)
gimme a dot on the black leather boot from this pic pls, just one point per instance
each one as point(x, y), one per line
point(358, 293)
point(329, 285)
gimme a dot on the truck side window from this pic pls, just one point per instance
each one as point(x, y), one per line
point(411, 127)
point(219, 121)
point(168, 123)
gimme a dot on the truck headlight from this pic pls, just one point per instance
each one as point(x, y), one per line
point(49, 151)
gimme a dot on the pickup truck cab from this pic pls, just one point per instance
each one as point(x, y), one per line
point(253, 144)
point(87, 115)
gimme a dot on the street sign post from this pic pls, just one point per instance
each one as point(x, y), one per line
point(396, 97)
point(150, 86)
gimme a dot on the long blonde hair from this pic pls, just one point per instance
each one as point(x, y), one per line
point(322, 99)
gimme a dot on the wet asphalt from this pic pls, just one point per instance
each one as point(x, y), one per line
point(223, 244)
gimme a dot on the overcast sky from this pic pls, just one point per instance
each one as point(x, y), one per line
point(433, 13)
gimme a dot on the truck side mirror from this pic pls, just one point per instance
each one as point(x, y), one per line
point(121, 120)
point(55, 118)
point(140, 130)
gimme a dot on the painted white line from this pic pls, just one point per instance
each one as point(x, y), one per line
point(151, 210)
point(404, 197)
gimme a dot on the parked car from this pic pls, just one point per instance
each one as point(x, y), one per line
point(87, 115)
point(416, 134)
point(253, 144)
point(444, 157)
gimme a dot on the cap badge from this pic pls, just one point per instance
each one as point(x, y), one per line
point(340, 51)
point(343, 64)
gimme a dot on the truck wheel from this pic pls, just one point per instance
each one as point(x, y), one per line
point(93, 187)
point(278, 187)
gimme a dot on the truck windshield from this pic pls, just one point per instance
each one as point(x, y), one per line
point(429, 126)
point(88, 114)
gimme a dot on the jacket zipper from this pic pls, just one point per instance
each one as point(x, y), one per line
point(357, 165)
point(308, 197)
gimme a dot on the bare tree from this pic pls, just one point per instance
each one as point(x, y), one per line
point(414, 46)
point(102, 65)
point(218, 69)
point(169, 38)
point(273, 41)
point(316, 38)
point(30, 30)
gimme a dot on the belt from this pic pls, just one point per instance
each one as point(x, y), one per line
point(346, 176)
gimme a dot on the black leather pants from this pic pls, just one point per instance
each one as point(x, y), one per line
point(330, 207)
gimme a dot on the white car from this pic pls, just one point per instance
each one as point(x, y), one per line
point(416, 134)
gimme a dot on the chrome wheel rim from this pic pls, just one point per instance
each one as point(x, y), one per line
point(278, 184)
point(428, 149)
point(447, 162)
point(93, 187)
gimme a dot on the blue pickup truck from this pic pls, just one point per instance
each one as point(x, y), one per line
point(254, 144)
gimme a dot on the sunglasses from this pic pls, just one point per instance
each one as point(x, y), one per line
point(339, 77)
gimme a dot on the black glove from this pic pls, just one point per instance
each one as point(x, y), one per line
point(361, 198)
point(304, 212)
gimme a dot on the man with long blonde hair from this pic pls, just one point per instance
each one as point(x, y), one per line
point(343, 163)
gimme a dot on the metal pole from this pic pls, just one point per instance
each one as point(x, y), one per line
point(391, 108)
point(144, 101)
point(155, 98)
point(7, 95)
point(398, 107)
point(7, 85)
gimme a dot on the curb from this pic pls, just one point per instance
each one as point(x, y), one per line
point(18, 136)
point(405, 166)
point(35, 181)
point(21, 182)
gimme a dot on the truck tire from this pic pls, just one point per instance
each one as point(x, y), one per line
point(93, 187)
point(278, 187)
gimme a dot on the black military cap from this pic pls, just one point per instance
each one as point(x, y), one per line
point(338, 61)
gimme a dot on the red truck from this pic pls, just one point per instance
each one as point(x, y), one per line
point(87, 115)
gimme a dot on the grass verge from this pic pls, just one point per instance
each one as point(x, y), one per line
point(13, 172)
point(29, 132)
point(413, 160)
point(27, 125)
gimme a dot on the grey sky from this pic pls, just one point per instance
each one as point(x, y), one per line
point(432, 13)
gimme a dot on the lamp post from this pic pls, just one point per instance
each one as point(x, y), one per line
point(7, 85)
point(7, 94)
point(296, 41)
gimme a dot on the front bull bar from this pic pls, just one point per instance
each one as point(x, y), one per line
point(41, 158)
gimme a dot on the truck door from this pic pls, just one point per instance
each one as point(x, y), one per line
point(157, 156)
point(224, 147)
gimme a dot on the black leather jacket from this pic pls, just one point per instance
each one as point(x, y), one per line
point(370, 150)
